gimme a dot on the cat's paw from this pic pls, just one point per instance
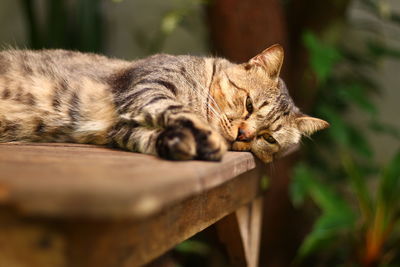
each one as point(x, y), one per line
point(188, 139)
point(176, 143)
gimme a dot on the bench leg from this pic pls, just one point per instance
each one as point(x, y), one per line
point(240, 232)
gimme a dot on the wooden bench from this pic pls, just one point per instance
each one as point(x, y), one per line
point(81, 205)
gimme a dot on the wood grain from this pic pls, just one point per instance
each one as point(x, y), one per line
point(84, 180)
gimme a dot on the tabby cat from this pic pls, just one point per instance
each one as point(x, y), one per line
point(176, 107)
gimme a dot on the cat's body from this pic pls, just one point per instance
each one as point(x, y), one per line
point(177, 107)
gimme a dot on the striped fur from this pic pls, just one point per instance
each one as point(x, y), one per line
point(177, 107)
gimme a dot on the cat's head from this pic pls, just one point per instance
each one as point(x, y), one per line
point(260, 116)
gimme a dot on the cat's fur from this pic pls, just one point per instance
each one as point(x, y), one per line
point(177, 107)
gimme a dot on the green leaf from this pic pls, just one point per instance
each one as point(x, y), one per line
point(300, 184)
point(307, 184)
point(359, 143)
point(358, 185)
point(193, 247)
point(326, 230)
point(380, 50)
point(355, 93)
point(326, 199)
point(336, 217)
point(344, 133)
point(389, 187)
point(339, 130)
point(322, 56)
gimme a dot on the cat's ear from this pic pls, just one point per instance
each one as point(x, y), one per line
point(308, 125)
point(271, 60)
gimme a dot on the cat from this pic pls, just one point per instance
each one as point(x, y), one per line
point(176, 107)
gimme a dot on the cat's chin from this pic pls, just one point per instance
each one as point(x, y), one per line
point(241, 146)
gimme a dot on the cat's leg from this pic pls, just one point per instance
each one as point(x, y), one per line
point(169, 131)
point(186, 132)
point(129, 135)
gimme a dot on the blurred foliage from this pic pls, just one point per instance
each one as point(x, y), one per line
point(73, 25)
point(359, 221)
point(323, 57)
point(179, 15)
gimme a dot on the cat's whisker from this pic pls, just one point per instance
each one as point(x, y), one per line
point(209, 98)
point(205, 92)
point(225, 126)
point(206, 95)
point(224, 121)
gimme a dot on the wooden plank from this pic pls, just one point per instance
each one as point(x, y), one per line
point(250, 221)
point(84, 180)
point(240, 232)
point(230, 236)
point(124, 242)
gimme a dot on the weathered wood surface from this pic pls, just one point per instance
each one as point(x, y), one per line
point(95, 181)
point(79, 205)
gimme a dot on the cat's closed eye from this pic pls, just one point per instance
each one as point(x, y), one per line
point(269, 139)
point(249, 105)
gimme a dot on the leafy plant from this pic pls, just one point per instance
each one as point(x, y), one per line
point(358, 200)
point(364, 234)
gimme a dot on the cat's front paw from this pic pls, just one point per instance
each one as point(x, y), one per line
point(209, 144)
point(176, 144)
point(190, 140)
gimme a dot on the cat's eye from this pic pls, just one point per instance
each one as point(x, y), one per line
point(269, 139)
point(249, 105)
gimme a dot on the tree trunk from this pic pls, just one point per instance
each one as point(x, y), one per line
point(241, 29)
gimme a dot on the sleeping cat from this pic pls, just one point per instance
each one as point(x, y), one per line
point(176, 107)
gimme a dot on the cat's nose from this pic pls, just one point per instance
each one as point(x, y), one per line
point(243, 135)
